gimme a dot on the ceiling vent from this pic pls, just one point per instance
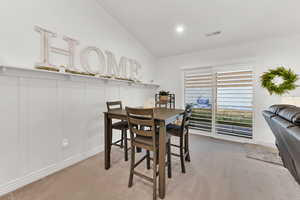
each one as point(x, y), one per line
point(213, 33)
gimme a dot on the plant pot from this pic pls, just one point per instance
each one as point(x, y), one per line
point(164, 98)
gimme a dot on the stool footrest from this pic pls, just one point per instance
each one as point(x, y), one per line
point(174, 154)
point(174, 145)
point(139, 162)
point(143, 176)
point(116, 142)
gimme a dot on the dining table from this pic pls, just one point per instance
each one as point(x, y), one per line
point(162, 117)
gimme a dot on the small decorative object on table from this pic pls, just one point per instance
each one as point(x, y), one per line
point(165, 99)
point(164, 96)
point(279, 81)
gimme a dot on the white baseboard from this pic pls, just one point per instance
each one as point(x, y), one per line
point(39, 174)
point(232, 138)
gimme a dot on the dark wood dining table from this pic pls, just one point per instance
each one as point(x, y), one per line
point(163, 117)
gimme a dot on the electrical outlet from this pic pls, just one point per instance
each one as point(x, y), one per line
point(65, 143)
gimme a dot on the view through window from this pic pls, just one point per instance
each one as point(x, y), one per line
point(221, 100)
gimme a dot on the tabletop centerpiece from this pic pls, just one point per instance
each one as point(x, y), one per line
point(163, 96)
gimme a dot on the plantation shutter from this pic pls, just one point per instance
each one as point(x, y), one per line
point(221, 100)
point(198, 85)
point(234, 108)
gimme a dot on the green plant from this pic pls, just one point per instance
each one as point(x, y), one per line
point(287, 76)
point(163, 93)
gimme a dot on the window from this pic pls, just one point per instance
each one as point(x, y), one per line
point(222, 100)
point(234, 103)
point(199, 93)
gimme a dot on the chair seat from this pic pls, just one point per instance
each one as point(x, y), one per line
point(174, 130)
point(148, 140)
point(120, 125)
point(173, 126)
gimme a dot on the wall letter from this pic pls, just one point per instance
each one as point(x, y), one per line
point(113, 68)
point(135, 69)
point(46, 47)
point(85, 63)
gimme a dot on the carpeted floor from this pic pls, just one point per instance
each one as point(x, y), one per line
point(219, 170)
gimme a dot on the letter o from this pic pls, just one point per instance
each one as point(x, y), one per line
point(100, 68)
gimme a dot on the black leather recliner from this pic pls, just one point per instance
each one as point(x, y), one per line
point(284, 121)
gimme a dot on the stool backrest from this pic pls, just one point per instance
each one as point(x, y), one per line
point(186, 119)
point(141, 122)
point(114, 105)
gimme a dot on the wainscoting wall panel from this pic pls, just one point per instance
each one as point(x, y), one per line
point(9, 130)
point(95, 106)
point(43, 124)
point(52, 121)
point(72, 113)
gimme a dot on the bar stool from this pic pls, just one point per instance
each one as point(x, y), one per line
point(120, 125)
point(165, 104)
point(143, 134)
point(182, 132)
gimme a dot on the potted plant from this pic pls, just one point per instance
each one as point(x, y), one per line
point(163, 96)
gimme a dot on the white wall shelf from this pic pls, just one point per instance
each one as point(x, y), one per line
point(45, 74)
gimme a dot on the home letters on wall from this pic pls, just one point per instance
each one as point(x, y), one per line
point(106, 62)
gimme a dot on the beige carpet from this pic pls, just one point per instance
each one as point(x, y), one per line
point(219, 171)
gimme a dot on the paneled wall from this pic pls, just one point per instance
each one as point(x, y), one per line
point(50, 121)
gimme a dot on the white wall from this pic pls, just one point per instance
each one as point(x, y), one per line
point(262, 55)
point(84, 20)
point(39, 110)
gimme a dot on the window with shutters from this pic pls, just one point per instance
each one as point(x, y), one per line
point(221, 100)
point(199, 92)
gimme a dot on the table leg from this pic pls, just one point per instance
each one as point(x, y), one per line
point(107, 140)
point(162, 154)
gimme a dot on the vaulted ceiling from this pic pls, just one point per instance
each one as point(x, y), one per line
point(153, 22)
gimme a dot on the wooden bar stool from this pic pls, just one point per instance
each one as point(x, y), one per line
point(143, 134)
point(182, 132)
point(120, 125)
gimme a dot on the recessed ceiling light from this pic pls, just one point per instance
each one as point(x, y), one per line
point(180, 29)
